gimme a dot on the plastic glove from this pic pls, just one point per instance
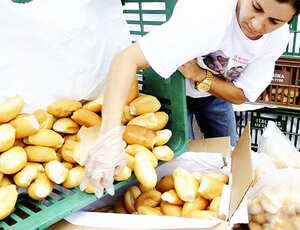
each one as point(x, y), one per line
point(103, 157)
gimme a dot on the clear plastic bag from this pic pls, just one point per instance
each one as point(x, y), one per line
point(274, 202)
point(279, 148)
point(262, 164)
point(55, 49)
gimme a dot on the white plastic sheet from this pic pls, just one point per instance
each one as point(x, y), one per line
point(54, 49)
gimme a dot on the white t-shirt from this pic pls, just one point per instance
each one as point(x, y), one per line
point(209, 31)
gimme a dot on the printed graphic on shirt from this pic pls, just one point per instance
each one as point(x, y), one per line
point(224, 66)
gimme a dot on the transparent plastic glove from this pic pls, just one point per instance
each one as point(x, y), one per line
point(103, 157)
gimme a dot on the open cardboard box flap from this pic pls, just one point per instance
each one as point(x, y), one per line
point(241, 169)
point(240, 160)
point(241, 179)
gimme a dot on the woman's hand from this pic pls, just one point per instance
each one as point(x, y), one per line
point(103, 157)
point(191, 70)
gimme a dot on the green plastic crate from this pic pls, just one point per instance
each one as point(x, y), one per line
point(293, 48)
point(21, 1)
point(30, 214)
point(288, 121)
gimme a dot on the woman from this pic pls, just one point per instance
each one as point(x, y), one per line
point(211, 42)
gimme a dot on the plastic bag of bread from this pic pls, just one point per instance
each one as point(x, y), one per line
point(274, 202)
point(262, 164)
point(275, 144)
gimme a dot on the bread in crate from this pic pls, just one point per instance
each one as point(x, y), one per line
point(285, 86)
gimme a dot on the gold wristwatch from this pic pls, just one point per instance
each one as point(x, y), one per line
point(205, 85)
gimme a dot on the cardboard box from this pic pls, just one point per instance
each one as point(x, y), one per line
point(241, 180)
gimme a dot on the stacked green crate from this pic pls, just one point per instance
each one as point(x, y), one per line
point(293, 48)
point(288, 121)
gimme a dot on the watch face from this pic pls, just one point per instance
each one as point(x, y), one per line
point(202, 87)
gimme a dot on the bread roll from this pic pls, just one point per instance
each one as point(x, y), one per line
point(63, 107)
point(11, 108)
point(94, 105)
point(40, 188)
point(7, 137)
point(74, 178)
point(24, 178)
point(185, 184)
point(40, 153)
point(163, 153)
point(124, 174)
point(45, 119)
point(215, 204)
point(56, 171)
point(171, 197)
point(73, 137)
point(144, 104)
point(5, 181)
point(170, 209)
point(66, 125)
point(130, 161)
point(38, 166)
point(67, 165)
point(165, 184)
point(153, 121)
point(147, 120)
point(25, 126)
point(292, 92)
point(162, 137)
point(219, 176)
point(146, 210)
point(150, 198)
point(134, 91)
point(210, 187)
point(126, 116)
point(134, 134)
point(69, 150)
point(162, 118)
point(130, 197)
point(136, 148)
point(144, 171)
point(144, 188)
point(47, 138)
point(198, 204)
point(13, 160)
point(8, 199)
point(86, 118)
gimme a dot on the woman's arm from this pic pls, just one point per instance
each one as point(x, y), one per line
point(227, 91)
point(219, 88)
point(120, 78)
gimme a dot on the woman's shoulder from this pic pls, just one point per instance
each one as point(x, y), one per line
point(280, 36)
point(277, 41)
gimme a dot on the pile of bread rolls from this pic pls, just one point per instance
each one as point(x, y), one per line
point(37, 150)
point(283, 95)
point(181, 194)
point(275, 210)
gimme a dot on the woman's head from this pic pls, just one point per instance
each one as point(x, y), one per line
point(258, 17)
